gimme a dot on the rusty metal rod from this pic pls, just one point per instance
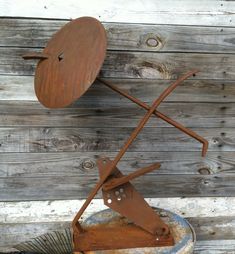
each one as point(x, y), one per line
point(35, 55)
point(160, 115)
point(124, 179)
point(139, 127)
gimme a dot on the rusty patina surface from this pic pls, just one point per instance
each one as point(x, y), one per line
point(181, 230)
point(67, 67)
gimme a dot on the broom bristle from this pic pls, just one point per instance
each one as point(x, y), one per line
point(56, 242)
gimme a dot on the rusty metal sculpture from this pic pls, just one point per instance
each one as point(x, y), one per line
point(68, 66)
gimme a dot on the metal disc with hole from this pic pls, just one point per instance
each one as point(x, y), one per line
point(180, 228)
point(75, 56)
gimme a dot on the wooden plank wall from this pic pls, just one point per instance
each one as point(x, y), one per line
point(47, 157)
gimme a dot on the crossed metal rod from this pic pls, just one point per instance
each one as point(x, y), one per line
point(150, 110)
point(159, 114)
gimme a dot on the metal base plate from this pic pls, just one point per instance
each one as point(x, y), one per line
point(60, 242)
point(181, 230)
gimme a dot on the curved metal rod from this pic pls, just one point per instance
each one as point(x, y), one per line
point(159, 114)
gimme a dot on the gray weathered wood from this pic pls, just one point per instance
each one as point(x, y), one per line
point(74, 187)
point(147, 65)
point(26, 113)
point(12, 234)
point(21, 88)
point(65, 210)
point(206, 228)
point(213, 228)
point(215, 247)
point(80, 163)
point(50, 154)
point(122, 36)
point(187, 12)
point(29, 139)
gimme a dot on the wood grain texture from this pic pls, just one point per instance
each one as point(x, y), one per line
point(65, 210)
point(49, 155)
point(19, 220)
point(80, 163)
point(20, 88)
point(12, 234)
point(144, 65)
point(213, 228)
point(206, 228)
point(26, 113)
point(74, 187)
point(123, 36)
point(215, 247)
point(158, 12)
point(111, 139)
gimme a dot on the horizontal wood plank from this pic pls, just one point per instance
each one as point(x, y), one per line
point(49, 155)
point(80, 163)
point(21, 221)
point(21, 88)
point(213, 228)
point(26, 113)
point(13, 234)
point(111, 139)
point(168, 12)
point(206, 228)
point(201, 247)
point(65, 210)
point(123, 36)
point(215, 247)
point(149, 65)
point(73, 187)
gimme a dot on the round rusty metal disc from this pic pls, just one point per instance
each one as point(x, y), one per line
point(75, 56)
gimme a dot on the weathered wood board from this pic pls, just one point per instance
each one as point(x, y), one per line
point(35, 33)
point(215, 246)
point(57, 187)
point(144, 65)
point(40, 217)
point(36, 139)
point(205, 13)
point(51, 164)
point(64, 210)
point(27, 113)
point(48, 157)
point(20, 88)
point(211, 230)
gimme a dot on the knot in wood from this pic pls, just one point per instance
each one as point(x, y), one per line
point(88, 164)
point(152, 42)
point(204, 171)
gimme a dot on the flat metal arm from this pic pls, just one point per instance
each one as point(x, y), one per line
point(113, 183)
